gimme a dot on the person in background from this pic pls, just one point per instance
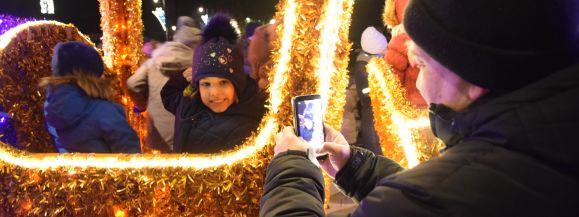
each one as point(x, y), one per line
point(249, 30)
point(396, 54)
point(225, 105)
point(351, 117)
point(373, 46)
point(259, 53)
point(145, 85)
point(79, 113)
point(186, 21)
point(501, 99)
point(149, 46)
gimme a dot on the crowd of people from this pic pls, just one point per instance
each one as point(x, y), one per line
point(198, 95)
point(500, 80)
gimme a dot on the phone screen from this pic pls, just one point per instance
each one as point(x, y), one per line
point(309, 121)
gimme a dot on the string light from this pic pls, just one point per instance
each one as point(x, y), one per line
point(25, 53)
point(331, 71)
point(283, 56)
point(8, 22)
point(329, 32)
point(396, 118)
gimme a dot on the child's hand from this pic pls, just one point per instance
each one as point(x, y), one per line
point(188, 74)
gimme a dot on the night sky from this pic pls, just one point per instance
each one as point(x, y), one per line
point(85, 15)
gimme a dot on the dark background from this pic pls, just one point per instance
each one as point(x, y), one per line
point(85, 13)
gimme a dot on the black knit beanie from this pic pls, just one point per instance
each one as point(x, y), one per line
point(500, 45)
point(219, 56)
point(74, 56)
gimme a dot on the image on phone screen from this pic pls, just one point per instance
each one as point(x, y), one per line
point(310, 121)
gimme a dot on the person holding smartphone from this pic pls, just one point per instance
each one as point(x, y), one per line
point(501, 98)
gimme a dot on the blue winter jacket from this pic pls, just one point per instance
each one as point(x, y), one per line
point(82, 124)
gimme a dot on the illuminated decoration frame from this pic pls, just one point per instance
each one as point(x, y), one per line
point(404, 131)
point(122, 39)
point(224, 184)
point(23, 62)
point(8, 22)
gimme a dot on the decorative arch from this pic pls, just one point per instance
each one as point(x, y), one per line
point(224, 184)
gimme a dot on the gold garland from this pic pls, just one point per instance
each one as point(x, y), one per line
point(403, 130)
point(126, 185)
point(26, 53)
point(122, 39)
point(225, 184)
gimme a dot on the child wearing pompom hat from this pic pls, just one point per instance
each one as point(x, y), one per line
point(226, 105)
point(146, 83)
point(78, 111)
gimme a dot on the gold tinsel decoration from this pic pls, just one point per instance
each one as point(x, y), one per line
point(122, 39)
point(227, 184)
point(25, 56)
point(403, 130)
point(223, 184)
point(389, 14)
point(316, 62)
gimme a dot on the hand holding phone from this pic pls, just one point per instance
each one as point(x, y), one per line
point(308, 120)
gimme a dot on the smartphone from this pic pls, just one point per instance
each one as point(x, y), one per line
point(309, 120)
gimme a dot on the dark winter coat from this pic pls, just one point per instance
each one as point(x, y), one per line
point(200, 130)
point(79, 123)
point(367, 136)
point(145, 91)
point(513, 155)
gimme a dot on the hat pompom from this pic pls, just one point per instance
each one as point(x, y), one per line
point(220, 27)
point(373, 42)
point(219, 55)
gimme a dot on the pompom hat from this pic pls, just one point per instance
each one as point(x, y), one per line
point(219, 56)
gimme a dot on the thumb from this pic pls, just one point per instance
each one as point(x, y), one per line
point(338, 156)
point(331, 148)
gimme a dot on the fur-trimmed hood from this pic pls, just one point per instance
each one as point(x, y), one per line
point(92, 86)
point(70, 98)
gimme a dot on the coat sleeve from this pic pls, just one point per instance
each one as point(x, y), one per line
point(240, 133)
point(391, 198)
point(172, 92)
point(294, 186)
point(118, 134)
point(138, 86)
point(363, 171)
